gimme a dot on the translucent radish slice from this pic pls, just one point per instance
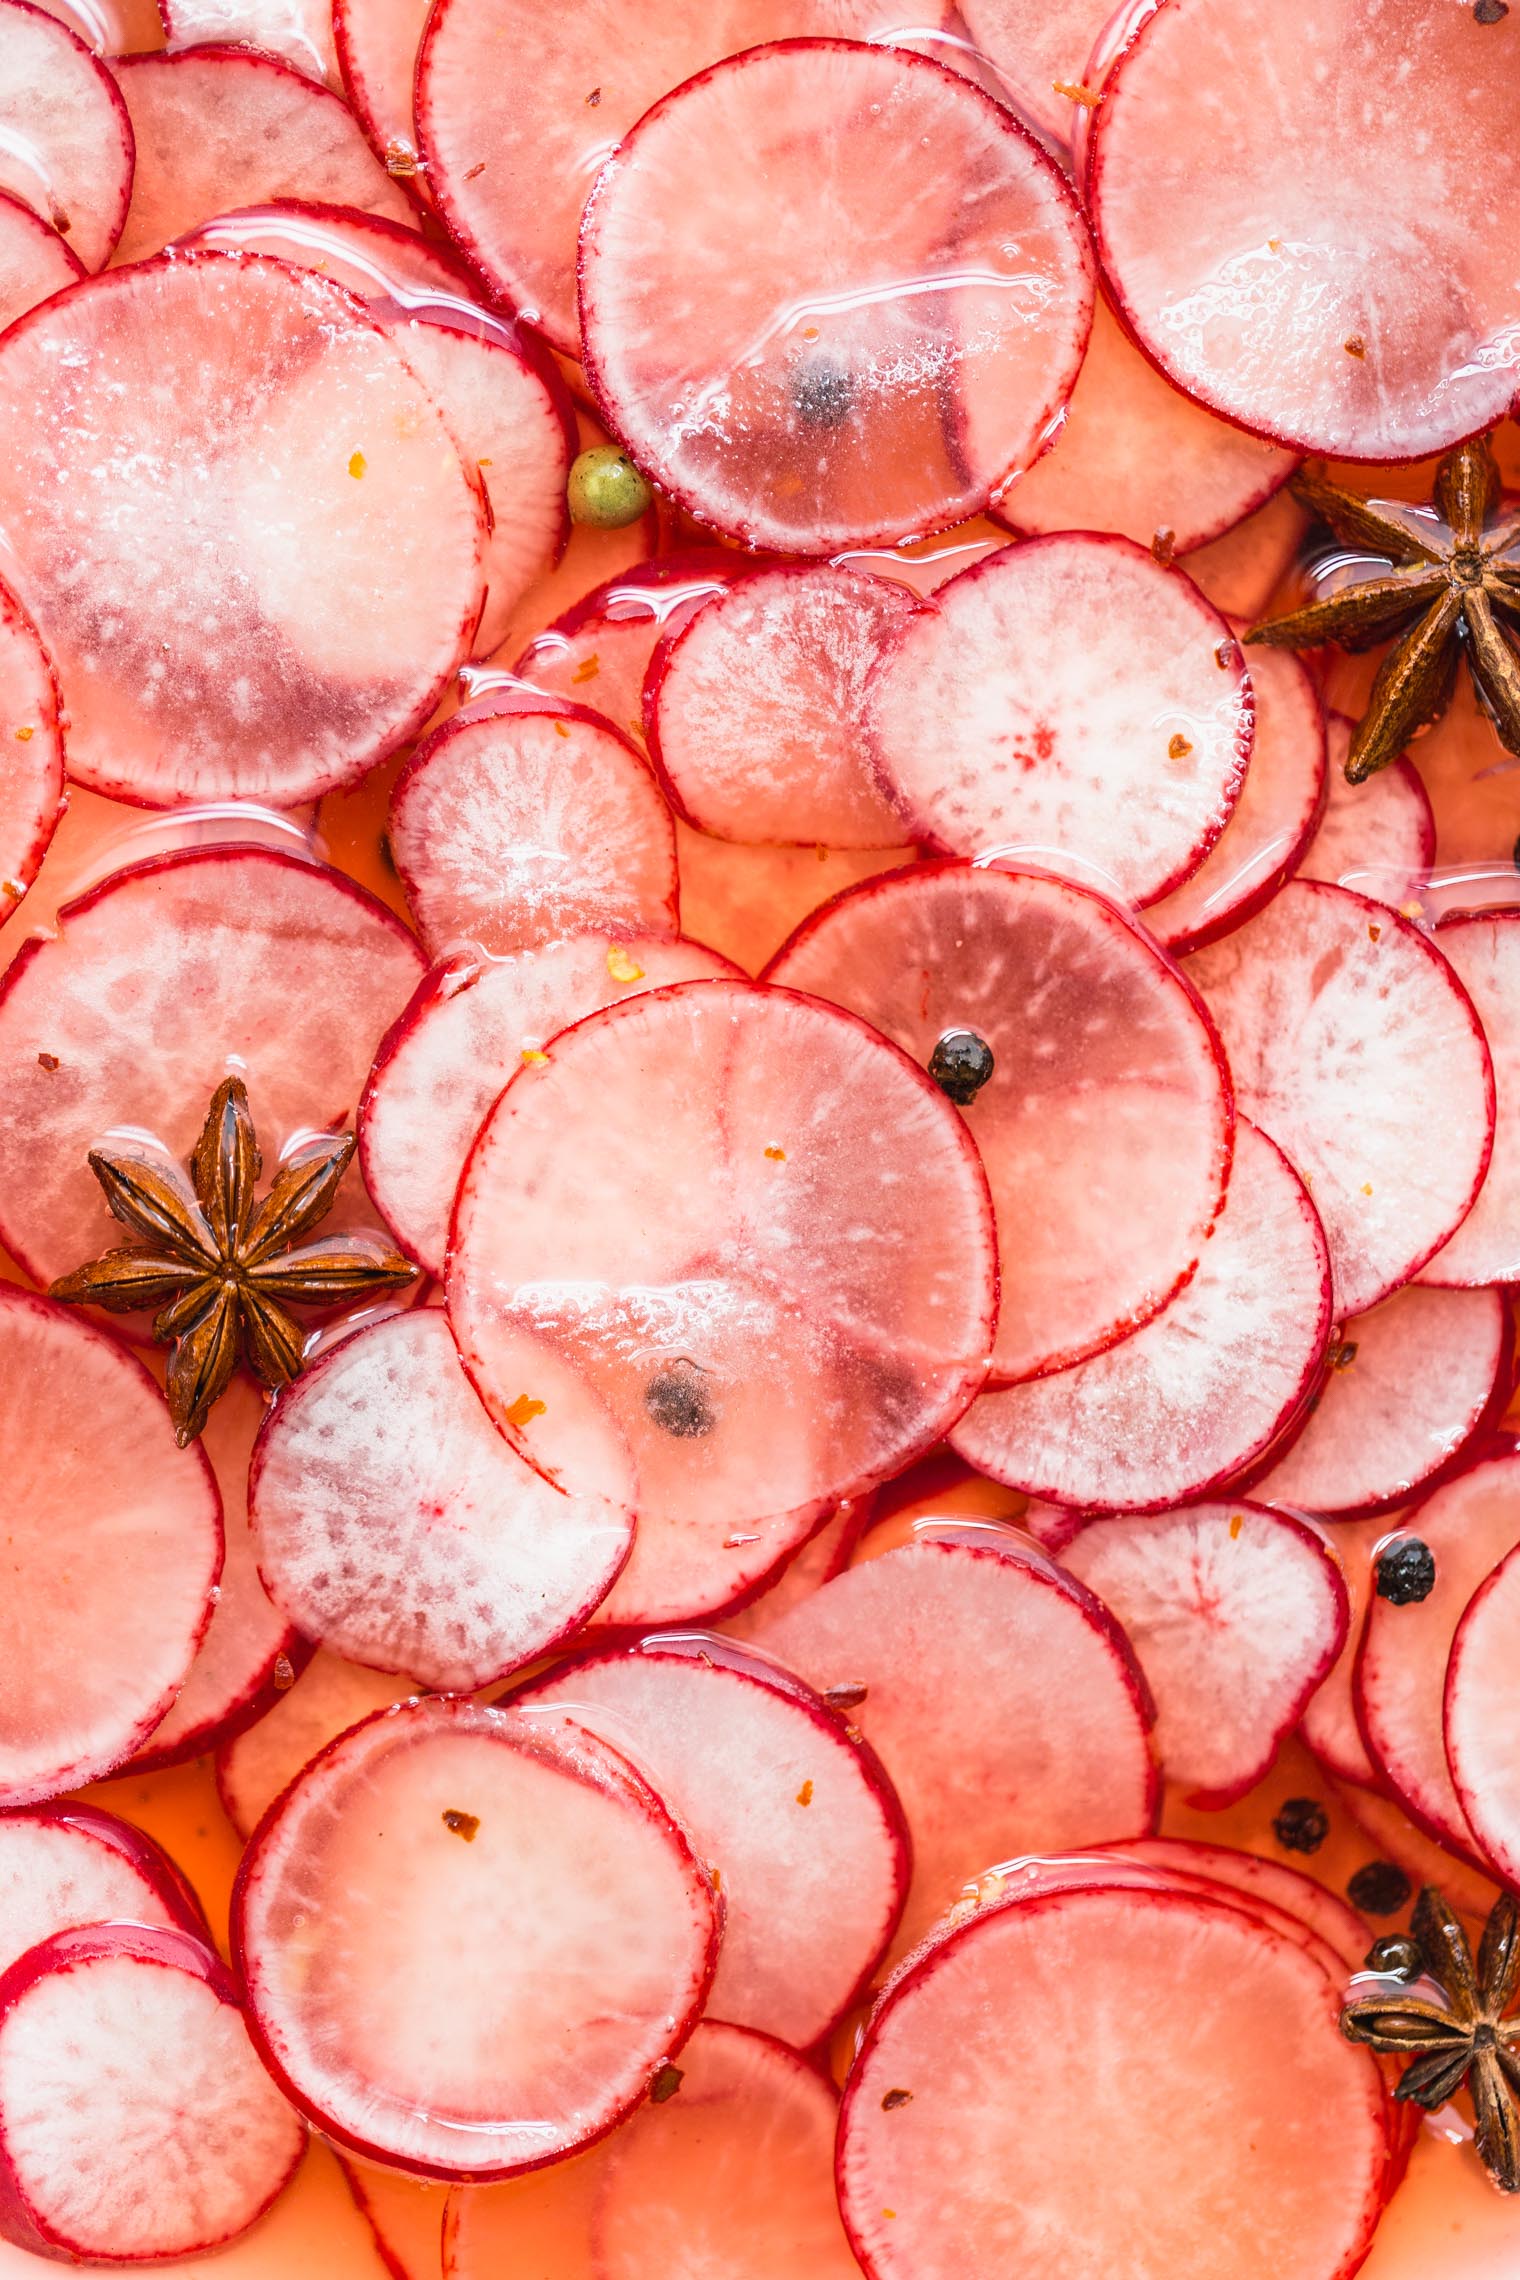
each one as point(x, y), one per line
point(734, 1237)
point(1236, 1614)
point(136, 2122)
point(1040, 50)
point(376, 42)
point(65, 138)
point(1380, 837)
point(429, 1837)
point(1329, 1724)
point(1186, 1402)
point(1120, 754)
point(986, 2164)
point(298, 32)
point(526, 819)
point(1002, 1698)
point(1108, 1099)
point(31, 753)
point(327, 1698)
point(457, 1572)
point(96, 1641)
point(1391, 1835)
point(1241, 571)
point(1269, 1881)
point(470, 1027)
point(62, 1866)
point(108, 1027)
point(34, 260)
point(288, 571)
point(598, 653)
point(1378, 1023)
point(745, 901)
point(1484, 953)
point(1410, 1383)
point(111, 27)
point(824, 1555)
point(1481, 1703)
point(404, 2215)
point(799, 1823)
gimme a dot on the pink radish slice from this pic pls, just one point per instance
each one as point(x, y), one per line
point(1184, 1403)
point(987, 2164)
point(683, 1569)
point(328, 1697)
point(404, 2215)
point(1236, 1614)
point(1380, 837)
point(469, 1028)
point(1120, 754)
point(1391, 1835)
point(107, 1027)
point(62, 1866)
point(136, 2122)
point(799, 1823)
point(35, 261)
point(288, 571)
point(65, 138)
point(824, 1555)
point(1379, 1025)
point(298, 32)
point(734, 1238)
point(745, 901)
point(1002, 1698)
point(1329, 1723)
point(1039, 50)
point(376, 42)
point(1484, 953)
point(1241, 571)
point(1108, 1099)
point(524, 819)
point(1480, 1717)
point(598, 653)
point(31, 753)
point(1410, 1383)
point(753, 709)
point(112, 1551)
point(1262, 1881)
point(365, 1903)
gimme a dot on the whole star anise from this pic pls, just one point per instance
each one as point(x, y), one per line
point(1469, 2039)
point(1449, 584)
point(220, 1265)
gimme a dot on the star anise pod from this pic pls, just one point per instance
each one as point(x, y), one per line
point(1451, 589)
point(1468, 2039)
point(224, 1268)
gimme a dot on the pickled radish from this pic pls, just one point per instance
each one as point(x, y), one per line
point(65, 138)
point(826, 1553)
point(34, 260)
point(1266, 1882)
point(62, 1866)
point(1040, 50)
point(1483, 951)
point(1379, 837)
point(404, 2215)
point(376, 43)
point(1329, 1724)
point(745, 901)
point(1241, 571)
point(328, 1697)
point(1480, 1704)
point(598, 653)
point(31, 753)
point(299, 32)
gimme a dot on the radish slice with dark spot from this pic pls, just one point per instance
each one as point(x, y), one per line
point(1484, 953)
point(35, 261)
point(745, 901)
point(298, 32)
point(1481, 1700)
point(1378, 837)
point(31, 753)
point(65, 137)
point(329, 1696)
point(598, 653)
point(63, 1866)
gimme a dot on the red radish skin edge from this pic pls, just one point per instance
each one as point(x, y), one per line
point(134, 1845)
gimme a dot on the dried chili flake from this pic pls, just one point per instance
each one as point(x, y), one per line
point(460, 1824)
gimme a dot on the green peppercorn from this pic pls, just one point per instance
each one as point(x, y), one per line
point(606, 490)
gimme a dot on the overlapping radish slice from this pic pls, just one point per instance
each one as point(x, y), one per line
point(1379, 837)
point(404, 2215)
point(827, 1553)
point(376, 44)
point(1108, 1100)
point(113, 1549)
point(423, 1840)
point(1188, 1400)
point(1040, 51)
point(31, 753)
point(598, 653)
point(1410, 1383)
point(34, 260)
point(1329, 1725)
point(1480, 1707)
point(136, 2122)
point(65, 138)
point(1071, 701)
point(299, 32)
point(1267, 1883)
point(745, 901)
point(109, 1027)
point(1241, 571)
point(327, 1698)
point(524, 819)
point(1002, 1698)
point(1391, 1835)
point(899, 337)
point(1483, 951)
point(1341, 1023)
point(241, 525)
point(1236, 1614)
point(470, 1027)
point(62, 1866)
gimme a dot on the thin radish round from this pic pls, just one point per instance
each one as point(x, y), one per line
point(1241, 571)
point(1186, 1402)
point(62, 1866)
point(1120, 753)
point(421, 1841)
point(298, 32)
point(700, 1568)
point(1480, 1707)
point(1108, 1103)
point(1269, 1881)
point(598, 653)
point(404, 2215)
point(1341, 1023)
point(1391, 1835)
point(108, 1026)
point(897, 338)
point(745, 901)
point(1380, 837)
point(1235, 1614)
point(31, 753)
point(1329, 1724)
point(376, 43)
point(241, 525)
point(35, 261)
point(826, 1553)
point(524, 819)
point(1483, 951)
point(65, 137)
point(136, 2122)
point(111, 1553)
point(328, 1697)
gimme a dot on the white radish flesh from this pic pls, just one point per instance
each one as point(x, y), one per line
point(63, 1866)
point(31, 752)
point(65, 138)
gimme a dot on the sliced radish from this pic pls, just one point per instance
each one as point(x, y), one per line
point(62, 1866)
point(1341, 1022)
point(1186, 1402)
point(1108, 1100)
point(1121, 754)
point(1474, 794)
point(524, 819)
point(404, 2215)
point(1480, 1706)
point(1390, 1833)
point(1329, 1724)
point(1380, 837)
point(111, 27)
point(1484, 952)
point(745, 901)
point(1236, 1614)
point(1241, 571)
point(65, 138)
point(1003, 1700)
point(299, 32)
point(986, 2164)
point(1040, 50)
point(34, 260)
point(376, 43)
point(598, 653)
point(1268, 1882)
point(31, 753)
point(429, 1837)
point(328, 1697)
point(898, 339)
point(136, 2122)
point(108, 1027)
point(826, 1554)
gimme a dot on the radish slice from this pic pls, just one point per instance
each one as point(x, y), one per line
point(799, 1823)
point(376, 43)
point(404, 2215)
point(65, 138)
point(1329, 1725)
point(1040, 51)
point(94, 1644)
point(1380, 837)
point(826, 1553)
point(733, 1237)
point(107, 1027)
point(327, 1698)
point(299, 32)
point(421, 1841)
point(1236, 1614)
point(469, 1028)
point(1393, 1836)
point(1108, 1100)
point(290, 571)
point(745, 901)
point(1003, 1700)
point(136, 2122)
point(1410, 1383)
point(1120, 754)
point(1341, 1022)
point(1242, 571)
point(1484, 953)
point(1186, 1402)
point(598, 653)
point(62, 1866)
point(110, 27)
point(524, 819)
point(1481, 1701)
point(31, 753)
point(987, 2163)
point(753, 709)
point(34, 260)
point(897, 340)
point(1263, 1881)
